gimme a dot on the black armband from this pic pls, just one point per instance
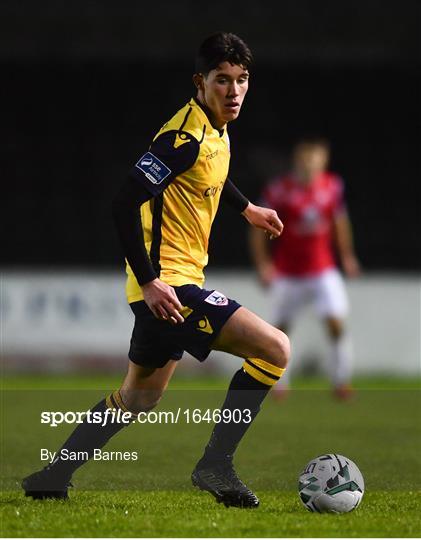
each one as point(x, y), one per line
point(233, 196)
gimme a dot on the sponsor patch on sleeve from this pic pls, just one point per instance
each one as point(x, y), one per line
point(153, 168)
point(217, 299)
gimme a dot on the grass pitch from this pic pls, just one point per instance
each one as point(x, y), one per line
point(152, 497)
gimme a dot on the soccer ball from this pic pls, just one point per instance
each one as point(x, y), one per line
point(331, 483)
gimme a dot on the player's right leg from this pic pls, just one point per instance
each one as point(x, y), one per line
point(141, 390)
point(151, 365)
point(142, 387)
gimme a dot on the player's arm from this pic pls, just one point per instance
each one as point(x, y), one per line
point(233, 196)
point(154, 171)
point(344, 243)
point(265, 219)
point(342, 233)
point(258, 216)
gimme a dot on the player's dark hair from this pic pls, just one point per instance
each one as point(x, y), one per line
point(222, 47)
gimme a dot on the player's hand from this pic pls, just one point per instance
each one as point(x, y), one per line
point(264, 218)
point(162, 301)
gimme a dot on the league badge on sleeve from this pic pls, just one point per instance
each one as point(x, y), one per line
point(154, 170)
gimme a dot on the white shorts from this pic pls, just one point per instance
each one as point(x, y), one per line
point(325, 292)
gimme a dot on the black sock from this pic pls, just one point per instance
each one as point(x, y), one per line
point(85, 438)
point(245, 393)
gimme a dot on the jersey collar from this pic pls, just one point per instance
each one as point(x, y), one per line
point(208, 115)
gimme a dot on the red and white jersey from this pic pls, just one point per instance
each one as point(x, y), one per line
point(307, 211)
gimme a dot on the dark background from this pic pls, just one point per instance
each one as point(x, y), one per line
point(85, 86)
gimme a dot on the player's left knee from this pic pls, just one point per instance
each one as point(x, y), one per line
point(274, 349)
point(280, 350)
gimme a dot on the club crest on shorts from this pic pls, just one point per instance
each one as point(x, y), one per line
point(217, 299)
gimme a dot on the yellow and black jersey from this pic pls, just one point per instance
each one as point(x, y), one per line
point(185, 171)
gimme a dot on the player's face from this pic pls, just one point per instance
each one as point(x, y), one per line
point(309, 161)
point(223, 90)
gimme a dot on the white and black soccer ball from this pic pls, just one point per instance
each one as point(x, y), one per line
point(331, 483)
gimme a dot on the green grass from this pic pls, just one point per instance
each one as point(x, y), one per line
point(152, 497)
point(192, 514)
point(105, 382)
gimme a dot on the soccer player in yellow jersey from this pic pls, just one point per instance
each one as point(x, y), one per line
point(164, 215)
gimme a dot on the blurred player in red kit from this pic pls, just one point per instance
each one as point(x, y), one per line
point(302, 265)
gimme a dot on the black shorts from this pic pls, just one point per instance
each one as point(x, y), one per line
point(155, 341)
